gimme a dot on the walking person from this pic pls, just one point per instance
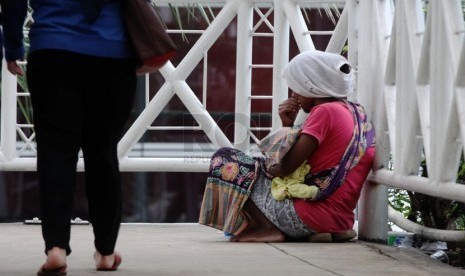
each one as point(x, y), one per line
point(81, 75)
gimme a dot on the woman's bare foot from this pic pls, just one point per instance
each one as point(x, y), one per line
point(259, 235)
point(107, 262)
point(56, 257)
point(55, 263)
point(259, 228)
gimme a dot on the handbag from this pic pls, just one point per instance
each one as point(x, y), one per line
point(151, 42)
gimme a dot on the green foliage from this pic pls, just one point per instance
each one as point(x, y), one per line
point(461, 173)
point(460, 223)
point(430, 211)
point(345, 49)
point(399, 200)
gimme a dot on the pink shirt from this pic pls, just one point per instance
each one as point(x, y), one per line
point(332, 125)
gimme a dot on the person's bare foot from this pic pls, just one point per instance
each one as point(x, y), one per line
point(56, 262)
point(259, 235)
point(107, 262)
point(56, 257)
point(258, 227)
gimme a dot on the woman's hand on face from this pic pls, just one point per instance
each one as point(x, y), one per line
point(288, 111)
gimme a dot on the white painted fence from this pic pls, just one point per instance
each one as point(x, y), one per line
point(410, 76)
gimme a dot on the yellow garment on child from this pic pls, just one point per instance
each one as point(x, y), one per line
point(292, 186)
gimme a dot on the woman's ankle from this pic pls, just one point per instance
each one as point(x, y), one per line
point(56, 257)
point(104, 260)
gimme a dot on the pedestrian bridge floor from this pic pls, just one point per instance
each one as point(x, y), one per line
point(192, 249)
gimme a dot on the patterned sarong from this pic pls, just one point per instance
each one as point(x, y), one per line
point(230, 179)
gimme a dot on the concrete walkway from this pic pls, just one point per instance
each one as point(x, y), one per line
point(191, 249)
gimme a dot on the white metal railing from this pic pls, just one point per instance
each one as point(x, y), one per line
point(409, 76)
point(411, 73)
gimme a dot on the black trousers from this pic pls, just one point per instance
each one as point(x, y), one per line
point(79, 102)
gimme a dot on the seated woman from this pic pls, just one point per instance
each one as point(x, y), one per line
point(336, 141)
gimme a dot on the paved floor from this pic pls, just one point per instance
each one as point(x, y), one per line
point(191, 249)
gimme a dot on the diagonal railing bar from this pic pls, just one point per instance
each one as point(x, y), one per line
point(181, 73)
point(203, 118)
point(340, 35)
point(423, 88)
point(444, 133)
point(390, 94)
point(263, 19)
point(206, 40)
point(454, 27)
point(27, 140)
point(452, 16)
point(460, 91)
point(145, 119)
point(408, 134)
point(300, 31)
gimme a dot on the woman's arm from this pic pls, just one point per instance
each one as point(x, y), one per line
point(13, 15)
point(303, 148)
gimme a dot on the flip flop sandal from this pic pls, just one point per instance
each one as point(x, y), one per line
point(115, 265)
point(59, 271)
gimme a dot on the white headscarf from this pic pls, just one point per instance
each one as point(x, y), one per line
point(317, 74)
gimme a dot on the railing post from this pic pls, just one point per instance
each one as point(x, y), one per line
point(244, 78)
point(372, 45)
point(280, 59)
point(373, 213)
point(302, 37)
point(8, 116)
